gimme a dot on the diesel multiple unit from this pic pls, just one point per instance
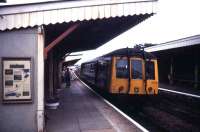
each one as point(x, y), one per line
point(124, 71)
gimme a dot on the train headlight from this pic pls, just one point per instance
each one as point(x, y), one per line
point(150, 89)
point(121, 88)
point(136, 90)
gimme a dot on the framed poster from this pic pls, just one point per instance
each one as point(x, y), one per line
point(17, 80)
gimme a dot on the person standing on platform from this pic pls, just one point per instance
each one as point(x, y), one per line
point(67, 78)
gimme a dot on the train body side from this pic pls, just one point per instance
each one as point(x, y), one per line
point(97, 73)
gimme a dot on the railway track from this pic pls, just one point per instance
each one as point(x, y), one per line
point(167, 112)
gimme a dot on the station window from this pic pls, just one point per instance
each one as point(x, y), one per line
point(136, 69)
point(122, 68)
point(150, 70)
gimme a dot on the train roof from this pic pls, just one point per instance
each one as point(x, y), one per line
point(131, 52)
point(126, 52)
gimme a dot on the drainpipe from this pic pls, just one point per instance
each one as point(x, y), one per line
point(196, 71)
point(171, 72)
point(196, 76)
point(51, 82)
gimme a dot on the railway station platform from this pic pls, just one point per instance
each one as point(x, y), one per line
point(187, 90)
point(81, 110)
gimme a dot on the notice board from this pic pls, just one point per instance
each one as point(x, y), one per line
point(17, 75)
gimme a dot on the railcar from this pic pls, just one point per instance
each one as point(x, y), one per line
point(124, 71)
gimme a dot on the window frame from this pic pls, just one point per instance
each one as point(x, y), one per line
point(127, 74)
point(132, 68)
point(154, 76)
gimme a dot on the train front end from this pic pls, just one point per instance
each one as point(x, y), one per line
point(134, 76)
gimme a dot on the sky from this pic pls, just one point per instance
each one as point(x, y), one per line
point(175, 19)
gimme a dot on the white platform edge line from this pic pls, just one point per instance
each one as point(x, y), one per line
point(122, 113)
point(182, 93)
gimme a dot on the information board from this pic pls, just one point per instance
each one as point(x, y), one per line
point(16, 79)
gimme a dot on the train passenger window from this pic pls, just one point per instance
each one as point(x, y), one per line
point(136, 66)
point(150, 70)
point(122, 68)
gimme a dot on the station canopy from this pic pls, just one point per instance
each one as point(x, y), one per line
point(97, 21)
point(183, 42)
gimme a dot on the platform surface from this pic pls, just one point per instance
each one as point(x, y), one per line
point(183, 88)
point(81, 110)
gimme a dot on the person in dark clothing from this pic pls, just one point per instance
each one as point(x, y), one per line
point(67, 77)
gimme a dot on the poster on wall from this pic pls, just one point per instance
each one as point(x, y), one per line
point(16, 80)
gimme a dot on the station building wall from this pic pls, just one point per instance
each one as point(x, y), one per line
point(19, 117)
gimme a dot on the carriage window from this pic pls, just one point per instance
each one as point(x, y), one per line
point(122, 68)
point(150, 70)
point(136, 69)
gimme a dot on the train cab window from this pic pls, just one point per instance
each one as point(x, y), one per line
point(150, 70)
point(122, 68)
point(136, 66)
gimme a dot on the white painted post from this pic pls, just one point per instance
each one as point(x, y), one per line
point(40, 81)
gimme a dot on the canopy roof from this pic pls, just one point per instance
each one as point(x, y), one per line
point(98, 21)
point(36, 14)
point(183, 42)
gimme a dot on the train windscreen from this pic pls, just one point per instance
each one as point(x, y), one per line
point(136, 66)
point(122, 68)
point(150, 70)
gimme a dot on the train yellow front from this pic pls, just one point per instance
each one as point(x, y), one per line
point(125, 71)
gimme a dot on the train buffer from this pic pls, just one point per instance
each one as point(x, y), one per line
point(81, 110)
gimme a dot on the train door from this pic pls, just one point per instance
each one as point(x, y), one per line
point(119, 81)
point(137, 76)
point(152, 77)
